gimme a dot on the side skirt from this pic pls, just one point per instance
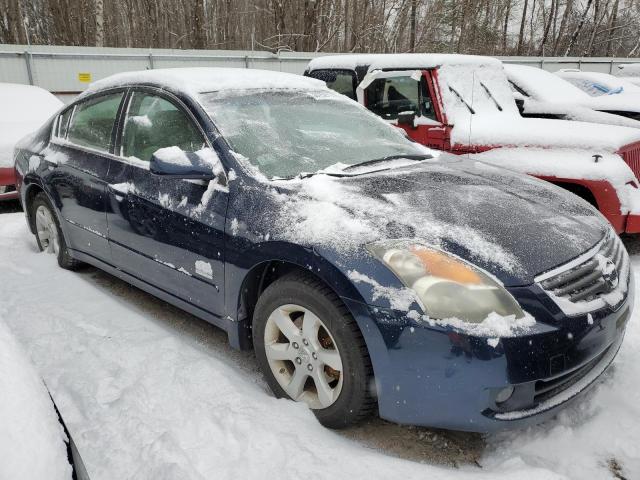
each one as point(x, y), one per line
point(229, 326)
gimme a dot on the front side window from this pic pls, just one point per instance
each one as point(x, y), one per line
point(341, 81)
point(92, 122)
point(287, 132)
point(153, 123)
point(387, 97)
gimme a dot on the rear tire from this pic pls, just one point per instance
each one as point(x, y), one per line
point(48, 232)
point(322, 359)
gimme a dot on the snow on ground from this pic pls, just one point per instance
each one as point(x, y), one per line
point(31, 439)
point(153, 393)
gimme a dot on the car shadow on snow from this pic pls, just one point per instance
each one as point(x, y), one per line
point(417, 444)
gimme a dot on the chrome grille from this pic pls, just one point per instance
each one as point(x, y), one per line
point(594, 280)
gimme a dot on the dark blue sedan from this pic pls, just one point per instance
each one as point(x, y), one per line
point(368, 272)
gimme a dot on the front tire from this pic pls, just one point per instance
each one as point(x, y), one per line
point(49, 234)
point(310, 350)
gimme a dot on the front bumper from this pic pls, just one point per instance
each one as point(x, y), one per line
point(434, 376)
point(7, 184)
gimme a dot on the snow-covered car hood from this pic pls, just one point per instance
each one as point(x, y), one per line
point(590, 114)
point(507, 130)
point(513, 226)
point(624, 102)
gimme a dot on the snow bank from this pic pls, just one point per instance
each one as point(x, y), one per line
point(31, 438)
point(206, 79)
point(24, 109)
point(565, 163)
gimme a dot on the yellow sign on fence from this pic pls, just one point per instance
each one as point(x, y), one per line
point(84, 77)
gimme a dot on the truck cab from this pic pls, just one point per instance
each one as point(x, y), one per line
point(464, 105)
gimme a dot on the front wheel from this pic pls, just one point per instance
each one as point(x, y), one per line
point(310, 350)
point(48, 233)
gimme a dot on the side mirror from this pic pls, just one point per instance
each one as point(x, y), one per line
point(407, 119)
point(173, 162)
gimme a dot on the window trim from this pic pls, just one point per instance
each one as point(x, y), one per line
point(64, 142)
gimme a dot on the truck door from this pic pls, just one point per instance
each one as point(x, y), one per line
point(406, 98)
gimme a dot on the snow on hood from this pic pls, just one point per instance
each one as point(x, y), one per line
point(24, 109)
point(32, 440)
point(207, 79)
point(505, 130)
point(511, 225)
point(564, 163)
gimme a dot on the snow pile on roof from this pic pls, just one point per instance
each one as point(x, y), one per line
point(544, 86)
point(398, 60)
point(148, 393)
point(564, 163)
point(31, 438)
point(24, 109)
point(207, 79)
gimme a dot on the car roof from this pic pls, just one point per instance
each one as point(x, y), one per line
point(399, 60)
point(207, 79)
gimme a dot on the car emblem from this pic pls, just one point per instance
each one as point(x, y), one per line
point(610, 275)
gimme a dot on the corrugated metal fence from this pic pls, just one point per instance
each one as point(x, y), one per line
point(67, 71)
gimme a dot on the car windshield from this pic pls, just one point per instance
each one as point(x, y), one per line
point(287, 132)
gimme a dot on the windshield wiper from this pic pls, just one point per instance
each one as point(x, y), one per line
point(386, 159)
point(457, 94)
point(491, 96)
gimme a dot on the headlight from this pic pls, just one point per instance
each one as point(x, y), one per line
point(447, 286)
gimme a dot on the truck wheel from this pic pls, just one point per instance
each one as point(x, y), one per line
point(48, 233)
point(310, 350)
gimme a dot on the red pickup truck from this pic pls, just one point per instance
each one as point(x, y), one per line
point(464, 105)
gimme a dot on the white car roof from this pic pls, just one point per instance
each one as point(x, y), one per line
point(399, 60)
point(200, 80)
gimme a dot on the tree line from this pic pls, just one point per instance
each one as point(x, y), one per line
point(491, 27)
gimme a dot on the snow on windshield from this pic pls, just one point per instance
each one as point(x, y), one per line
point(284, 133)
point(484, 88)
point(544, 86)
point(597, 84)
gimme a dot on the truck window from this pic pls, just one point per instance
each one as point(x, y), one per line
point(387, 97)
point(342, 81)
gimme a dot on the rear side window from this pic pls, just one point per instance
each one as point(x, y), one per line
point(342, 81)
point(92, 122)
point(387, 97)
point(153, 123)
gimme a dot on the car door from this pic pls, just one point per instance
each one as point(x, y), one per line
point(168, 232)
point(406, 98)
point(78, 159)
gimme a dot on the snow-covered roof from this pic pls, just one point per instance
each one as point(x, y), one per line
point(207, 79)
point(543, 85)
point(399, 60)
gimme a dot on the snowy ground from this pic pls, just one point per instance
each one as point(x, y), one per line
point(149, 392)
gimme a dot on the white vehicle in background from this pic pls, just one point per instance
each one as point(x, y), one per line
point(597, 84)
point(542, 94)
point(630, 72)
point(24, 108)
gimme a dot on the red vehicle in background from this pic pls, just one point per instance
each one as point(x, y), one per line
point(464, 105)
point(24, 109)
